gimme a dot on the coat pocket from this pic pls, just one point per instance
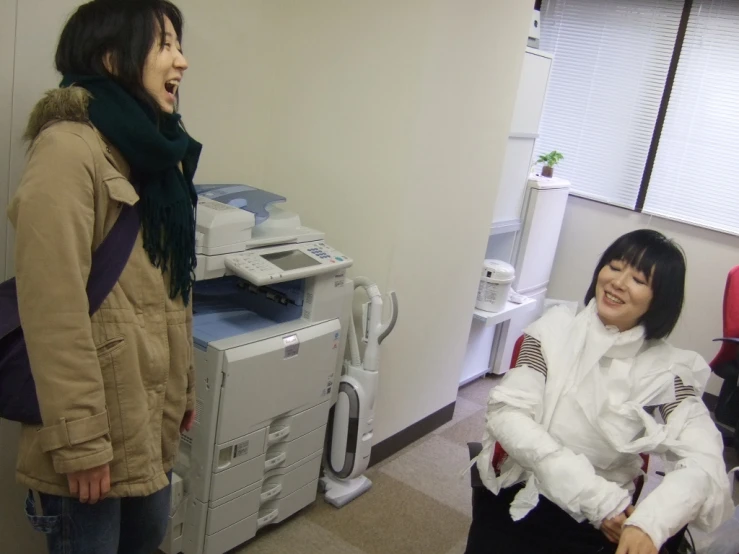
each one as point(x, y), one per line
point(121, 190)
point(133, 430)
point(110, 347)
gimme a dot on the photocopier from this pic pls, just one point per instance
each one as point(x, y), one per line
point(271, 305)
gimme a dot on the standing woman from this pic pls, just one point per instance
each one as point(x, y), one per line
point(116, 388)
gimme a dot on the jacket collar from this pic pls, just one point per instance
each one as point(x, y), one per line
point(70, 104)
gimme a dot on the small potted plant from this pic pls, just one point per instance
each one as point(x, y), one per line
point(549, 161)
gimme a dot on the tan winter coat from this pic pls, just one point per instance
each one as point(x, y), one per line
point(113, 388)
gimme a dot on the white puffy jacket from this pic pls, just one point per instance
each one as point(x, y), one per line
point(574, 421)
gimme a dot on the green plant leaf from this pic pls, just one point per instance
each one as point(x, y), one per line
point(551, 159)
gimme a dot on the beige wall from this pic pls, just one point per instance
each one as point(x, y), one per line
point(589, 227)
point(7, 59)
point(384, 123)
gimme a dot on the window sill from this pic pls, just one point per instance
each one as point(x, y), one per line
point(706, 227)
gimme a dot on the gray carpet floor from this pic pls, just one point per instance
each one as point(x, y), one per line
point(419, 502)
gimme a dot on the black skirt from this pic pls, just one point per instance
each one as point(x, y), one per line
point(547, 529)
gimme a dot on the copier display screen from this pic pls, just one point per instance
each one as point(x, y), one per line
point(292, 259)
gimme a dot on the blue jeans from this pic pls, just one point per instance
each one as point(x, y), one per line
point(112, 526)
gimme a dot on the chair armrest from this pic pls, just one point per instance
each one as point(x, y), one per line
point(475, 448)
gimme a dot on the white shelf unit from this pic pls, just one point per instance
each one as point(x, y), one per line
point(487, 328)
point(491, 319)
point(504, 227)
point(527, 110)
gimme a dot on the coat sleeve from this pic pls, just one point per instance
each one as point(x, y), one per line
point(53, 214)
point(567, 479)
point(697, 490)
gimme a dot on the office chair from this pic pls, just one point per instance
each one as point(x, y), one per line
point(726, 363)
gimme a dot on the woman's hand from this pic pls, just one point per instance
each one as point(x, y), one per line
point(635, 541)
point(188, 420)
point(90, 485)
point(612, 528)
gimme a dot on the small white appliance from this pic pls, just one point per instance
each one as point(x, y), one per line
point(351, 423)
point(495, 285)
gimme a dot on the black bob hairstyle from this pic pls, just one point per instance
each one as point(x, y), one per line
point(124, 30)
point(659, 259)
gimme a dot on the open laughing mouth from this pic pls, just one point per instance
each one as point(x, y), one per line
point(171, 87)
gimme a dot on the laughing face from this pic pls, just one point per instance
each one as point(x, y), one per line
point(623, 295)
point(164, 68)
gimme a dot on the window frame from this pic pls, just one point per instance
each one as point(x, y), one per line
point(664, 104)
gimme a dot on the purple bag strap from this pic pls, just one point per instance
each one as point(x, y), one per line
point(111, 257)
point(108, 262)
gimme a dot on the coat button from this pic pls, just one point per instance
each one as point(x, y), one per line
point(107, 148)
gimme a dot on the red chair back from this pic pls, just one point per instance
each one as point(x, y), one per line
point(728, 350)
point(516, 351)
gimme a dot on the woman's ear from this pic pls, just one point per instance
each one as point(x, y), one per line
point(109, 63)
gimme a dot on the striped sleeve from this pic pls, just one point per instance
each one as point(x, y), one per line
point(682, 391)
point(531, 355)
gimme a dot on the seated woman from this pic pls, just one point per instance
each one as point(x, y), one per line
point(589, 394)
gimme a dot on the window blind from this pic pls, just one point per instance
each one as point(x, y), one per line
point(696, 171)
point(611, 59)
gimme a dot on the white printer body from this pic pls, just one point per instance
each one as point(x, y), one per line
point(271, 311)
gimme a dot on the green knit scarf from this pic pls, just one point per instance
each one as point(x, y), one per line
point(153, 144)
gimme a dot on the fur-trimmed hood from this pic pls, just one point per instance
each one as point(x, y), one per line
point(61, 104)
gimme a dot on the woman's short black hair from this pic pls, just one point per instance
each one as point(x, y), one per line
point(661, 260)
point(124, 31)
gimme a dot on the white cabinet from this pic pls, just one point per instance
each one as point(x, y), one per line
point(524, 131)
point(532, 89)
point(489, 333)
point(513, 179)
point(544, 209)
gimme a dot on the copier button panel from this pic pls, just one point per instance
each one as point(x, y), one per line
point(266, 266)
